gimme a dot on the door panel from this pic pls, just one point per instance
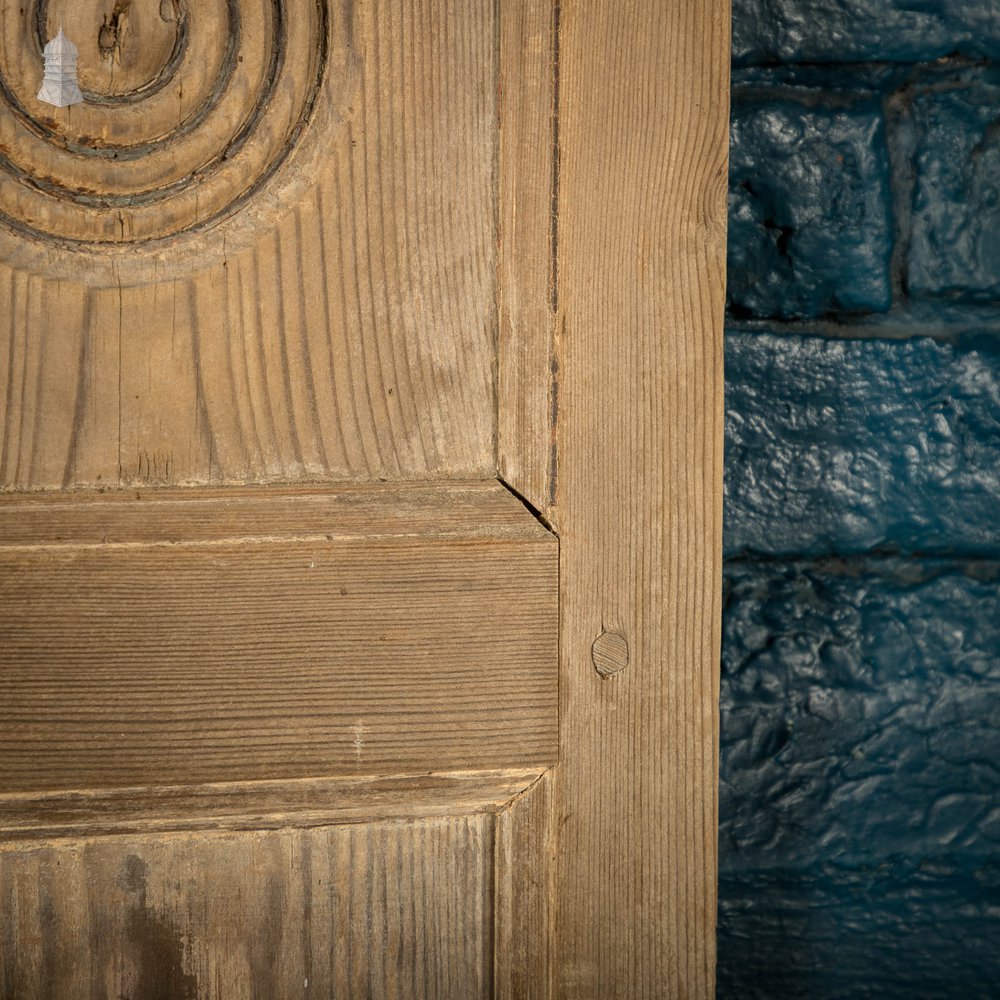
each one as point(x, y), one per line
point(180, 637)
point(186, 307)
point(261, 252)
point(382, 910)
point(278, 654)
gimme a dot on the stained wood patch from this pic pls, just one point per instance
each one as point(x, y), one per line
point(183, 638)
point(388, 910)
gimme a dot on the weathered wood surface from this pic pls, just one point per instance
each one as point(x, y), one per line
point(524, 884)
point(194, 637)
point(266, 805)
point(477, 509)
point(636, 496)
point(388, 910)
point(345, 320)
point(527, 373)
point(339, 322)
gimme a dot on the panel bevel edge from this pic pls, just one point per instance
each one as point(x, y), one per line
point(257, 805)
point(524, 888)
point(527, 242)
point(528, 384)
point(219, 515)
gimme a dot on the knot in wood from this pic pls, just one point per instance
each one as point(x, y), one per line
point(610, 653)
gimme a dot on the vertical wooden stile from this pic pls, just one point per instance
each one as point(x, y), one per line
point(639, 142)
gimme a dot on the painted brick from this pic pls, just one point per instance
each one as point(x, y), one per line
point(860, 712)
point(860, 794)
point(843, 31)
point(810, 217)
point(860, 791)
point(840, 446)
point(899, 930)
point(954, 250)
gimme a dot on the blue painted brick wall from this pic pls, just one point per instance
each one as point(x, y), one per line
point(844, 446)
point(862, 699)
point(811, 233)
point(861, 819)
point(850, 31)
point(954, 249)
point(860, 786)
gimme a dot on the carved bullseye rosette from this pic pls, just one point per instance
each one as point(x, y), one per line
point(191, 111)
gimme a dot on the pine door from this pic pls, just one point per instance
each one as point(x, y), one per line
point(360, 457)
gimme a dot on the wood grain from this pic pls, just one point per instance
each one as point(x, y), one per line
point(349, 322)
point(184, 118)
point(527, 371)
point(388, 910)
point(524, 885)
point(196, 638)
point(643, 124)
point(214, 516)
point(259, 805)
point(338, 327)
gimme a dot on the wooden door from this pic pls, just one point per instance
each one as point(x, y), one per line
point(360, 381)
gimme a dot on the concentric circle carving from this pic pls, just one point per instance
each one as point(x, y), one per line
point(191, 107)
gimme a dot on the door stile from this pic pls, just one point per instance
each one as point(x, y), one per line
point(622, 375)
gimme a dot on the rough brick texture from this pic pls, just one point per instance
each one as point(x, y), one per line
point(810, 210)
point(902, 929)
point(955, 246)
point(862, 707)
point(847, 31)
point(860, 784)
point(860, 800)
point(849, 445)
